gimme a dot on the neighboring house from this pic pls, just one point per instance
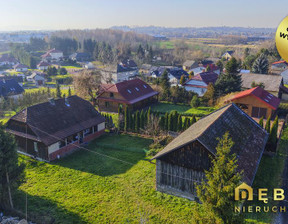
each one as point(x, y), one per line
point(6, 60)
point(134, 94)
point(199, 83)
point(128, 63)
point(284, 74)
point(80, 57)
point(20, 68)
point(227, 55)
point(174, 73)
point(183, 162)
point(52, 55)
point(52, 129)
point(145, 68)
point(272, 83)
point(89, 65)
point(36, 78)
point(10, 89)
point(279, 65)
point(43, 65)
point(197, 70)
point(213, 68)
point(256, 102)
point(189, 64)
point(123, 73)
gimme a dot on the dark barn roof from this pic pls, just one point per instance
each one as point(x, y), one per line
point(62, 118)
point(249, 138)
point(10, 87)
point(207, 77)
point(132, 91)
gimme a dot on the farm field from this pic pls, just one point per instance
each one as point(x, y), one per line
point(164, 107)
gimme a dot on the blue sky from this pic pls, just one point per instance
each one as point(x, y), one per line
point(81, 14)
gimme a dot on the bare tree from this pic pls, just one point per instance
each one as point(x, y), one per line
point(152, 128)
point(87, 83)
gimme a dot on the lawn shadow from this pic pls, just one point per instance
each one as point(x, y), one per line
point(105, 157)
point(44, 211)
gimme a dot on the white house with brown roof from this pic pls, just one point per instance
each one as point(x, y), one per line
point(52, 55)
point(20, 68)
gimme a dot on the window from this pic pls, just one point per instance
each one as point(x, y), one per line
point(87, 131)
point(259, 112)
point(129, 91)
point(111, 95)
point(35, 147)
point(107, 104)
point(137, 89)
point(145, 86)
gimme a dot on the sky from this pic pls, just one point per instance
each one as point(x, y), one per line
point(90, 14)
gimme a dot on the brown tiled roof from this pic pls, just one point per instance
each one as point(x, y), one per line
point(60, 119)
point(207, 77)
point(132, 90)
point(249, 138)
point(271, 83)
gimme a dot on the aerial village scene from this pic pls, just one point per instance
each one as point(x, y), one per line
point(142, 122)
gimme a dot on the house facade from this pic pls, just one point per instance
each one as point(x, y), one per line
point(272, 83)
point(257, 102)
point(10, 89)
point(80, 57)
point(20, 68)
point(52, 55)
point(50, 130)
point(182, 163)
point(189, 64)
point(227, 55)
point(134, 94)
point(43, 65)
point(36, 78)
point(199, 83)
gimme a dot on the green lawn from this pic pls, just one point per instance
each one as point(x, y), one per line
point(164, 107)
point(91, 188)
point(269, 176)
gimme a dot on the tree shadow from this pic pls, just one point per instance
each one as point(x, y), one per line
point(103, 160)
point(41, 210)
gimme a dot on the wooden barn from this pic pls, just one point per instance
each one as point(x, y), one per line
point(182, 163)
point(48, 130)
point(135, 94)
point(257, 102)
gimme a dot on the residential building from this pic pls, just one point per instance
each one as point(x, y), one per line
point(43, 65)
point(6, 60)
point(20, 68)
point(279, 65)
point(134, 94)
point(183, 162)
point(52, 55)
point(80, 57)
point(256, 102)
point(197, 70)
point(54, 129)
point(272, 83)
point(199, 83)
point(10, 89)
point(89, 65)
point(227, 55)
point(190, 64)
point(37, 78)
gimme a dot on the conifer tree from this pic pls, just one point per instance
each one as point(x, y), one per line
point(179, 123)
point(217, 193)
point(11, 172)
point(142, 121)
point(193, 119)
point(166, 118)
point(69, 92)
point(148, 115)
point(261, 65)
point(261, 121)
point(126, 124)
point(186, 125)
point(162, 122)
point(267, 125)
point(137, 121)
point(273, 134)
point(58, 90)
point(170, 122)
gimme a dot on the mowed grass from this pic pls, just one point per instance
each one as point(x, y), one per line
point(164, 107)
point(92, 187)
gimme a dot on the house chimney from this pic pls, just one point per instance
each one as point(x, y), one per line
point(52, 101)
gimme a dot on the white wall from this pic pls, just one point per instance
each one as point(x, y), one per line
point(101, 126)
point(53, 148)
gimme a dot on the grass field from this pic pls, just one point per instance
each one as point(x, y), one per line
point(64, 90)
point(164, 107)
point(91, 188)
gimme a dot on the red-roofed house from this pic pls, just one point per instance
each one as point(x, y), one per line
point(43, 65)
point(52, 55)
point(200, 82)
point(257, 102)
point(279, 65)
point(134, 93)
